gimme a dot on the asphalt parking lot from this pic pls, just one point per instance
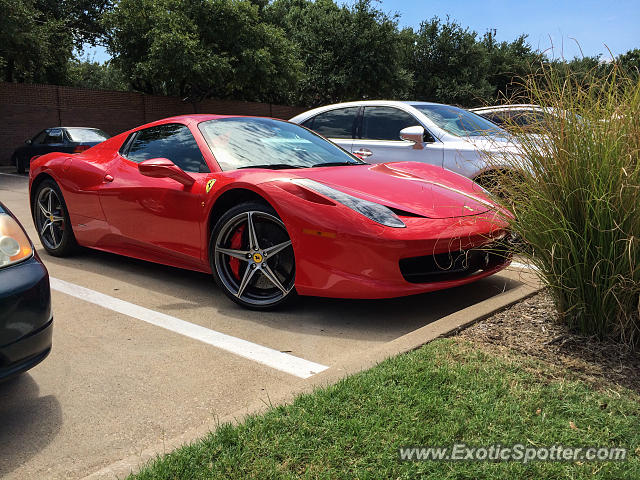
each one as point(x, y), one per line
point(143, 353)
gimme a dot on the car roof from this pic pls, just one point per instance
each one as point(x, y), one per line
point(190, 119)
point(375, 102)
point(67, 128)
point(358, 103)
point(498, 108)
point(83, 128)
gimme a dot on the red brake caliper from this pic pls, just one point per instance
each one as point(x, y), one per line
point(236, 244)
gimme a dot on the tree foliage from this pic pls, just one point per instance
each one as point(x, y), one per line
point(33, 46)
point(203, 48)
point(630, 62)
point(453, 65)
point(37, 37)
point(305, 52)
point(348, 52)
point(86, 73)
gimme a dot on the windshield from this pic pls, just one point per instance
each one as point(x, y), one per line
point(87, 135)
point(459, 122)
point(267, 143)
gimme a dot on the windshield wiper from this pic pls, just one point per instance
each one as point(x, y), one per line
point(274, 166)
point(336, 164)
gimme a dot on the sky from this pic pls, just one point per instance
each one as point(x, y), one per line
point(552, 26)
point(594, 24)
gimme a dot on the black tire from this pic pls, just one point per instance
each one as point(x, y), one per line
point(15, 160)
point(500, 183)
point(51, 219)
point(244, 268)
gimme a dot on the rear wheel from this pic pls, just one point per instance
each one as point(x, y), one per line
point(252, 258)
point(15, 160)
point(51, 219)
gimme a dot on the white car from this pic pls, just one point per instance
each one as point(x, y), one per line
point(393, 131)
point(523, 116)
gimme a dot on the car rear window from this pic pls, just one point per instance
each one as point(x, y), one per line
point(87, 135)
point(336, 123)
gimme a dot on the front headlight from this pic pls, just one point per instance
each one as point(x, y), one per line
point(14, 244)
point(374, 211)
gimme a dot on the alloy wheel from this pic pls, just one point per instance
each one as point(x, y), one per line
point(254, 259)
point(50, 218)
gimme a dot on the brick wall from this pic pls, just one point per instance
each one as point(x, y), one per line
point(25, 109)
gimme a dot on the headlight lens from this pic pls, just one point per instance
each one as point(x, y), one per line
point(14, 244)
point(374, 211)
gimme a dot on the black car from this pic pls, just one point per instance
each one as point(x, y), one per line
point(56, 139)
point(26, 321)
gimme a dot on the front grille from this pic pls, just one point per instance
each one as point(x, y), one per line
point(441, 267)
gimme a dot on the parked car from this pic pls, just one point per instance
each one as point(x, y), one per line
point(56, 139)
point(26, 321)
point(269, 208)
point(394, 131)
point(525, 117)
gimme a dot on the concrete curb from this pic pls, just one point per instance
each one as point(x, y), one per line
point(444, 327)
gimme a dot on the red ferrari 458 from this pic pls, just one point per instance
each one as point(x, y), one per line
point(270, 209)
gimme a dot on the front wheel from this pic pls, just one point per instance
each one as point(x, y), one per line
point(252, 257)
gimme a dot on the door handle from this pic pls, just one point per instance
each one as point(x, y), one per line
point(108, 178)
point(363, 153)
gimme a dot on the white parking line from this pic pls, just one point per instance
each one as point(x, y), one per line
point(13, 175)
point(524, 265)
point(267, 356)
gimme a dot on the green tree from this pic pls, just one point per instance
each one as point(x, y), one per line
point(450, 64)
point(86, 73)
point(508, 64)
point(630, 61)
point(199, 49)
point(33, 46)
point(37, 37)
point(348, 52)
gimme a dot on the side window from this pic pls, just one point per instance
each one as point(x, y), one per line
point(336, 123)
point(528, 119)
point(498, 118)
point(385, 123)
point(173, 141)
point(53, 136)
point(39, 138)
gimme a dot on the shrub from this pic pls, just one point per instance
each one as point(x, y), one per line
point(576, 203)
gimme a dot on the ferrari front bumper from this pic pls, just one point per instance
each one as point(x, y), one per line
point(428, 255)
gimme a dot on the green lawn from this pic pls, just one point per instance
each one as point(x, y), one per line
point(446, 392)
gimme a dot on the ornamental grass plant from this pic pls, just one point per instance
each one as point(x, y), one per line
point(575, 201)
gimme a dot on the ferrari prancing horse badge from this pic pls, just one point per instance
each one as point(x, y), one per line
point(210, 184)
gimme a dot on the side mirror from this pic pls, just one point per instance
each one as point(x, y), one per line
point(165, 168)
point(28, 141)
point(413, 134)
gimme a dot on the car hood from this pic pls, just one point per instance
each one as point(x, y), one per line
point(416, 188)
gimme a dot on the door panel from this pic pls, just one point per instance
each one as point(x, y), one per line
point(398, 151)
point(155, 213)
point(380, 138)
point(157, 218)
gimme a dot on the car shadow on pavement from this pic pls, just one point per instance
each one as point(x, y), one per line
point(378, 320)
point(28, 422)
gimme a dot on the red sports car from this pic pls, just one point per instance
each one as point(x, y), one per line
point(270, 209)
